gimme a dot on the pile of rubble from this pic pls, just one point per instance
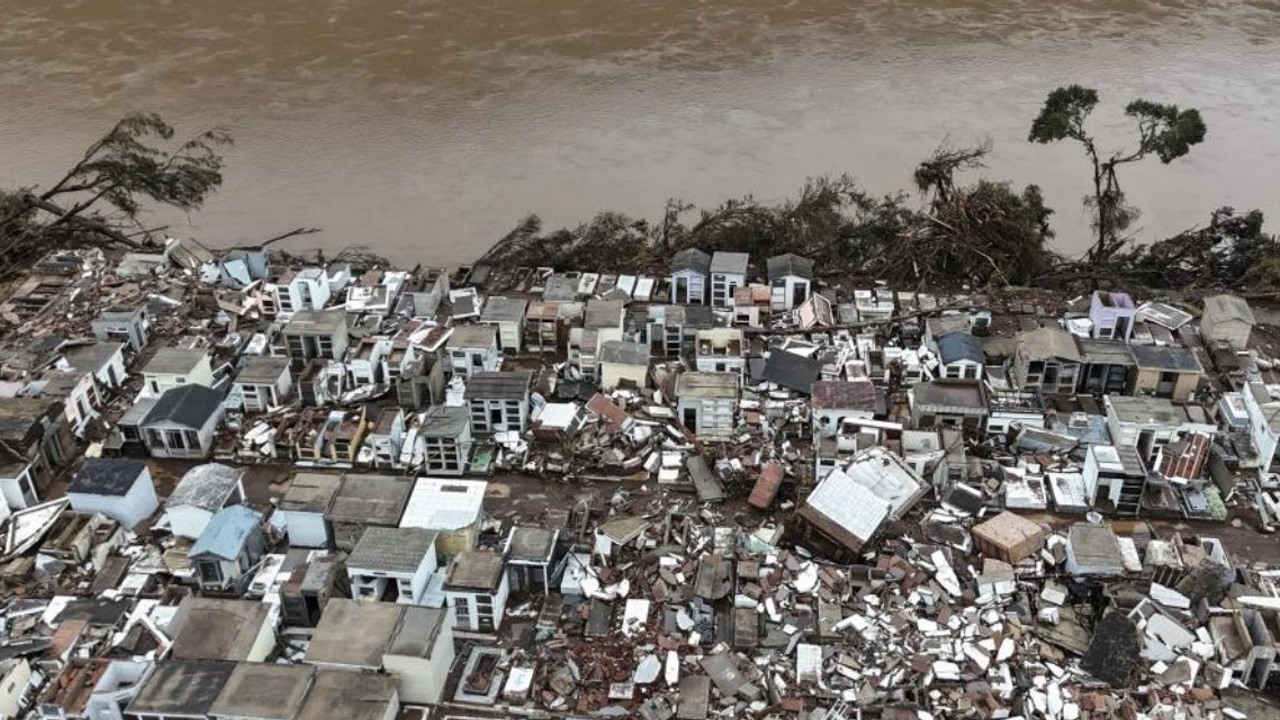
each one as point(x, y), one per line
point(762, 496)
point(682, 615)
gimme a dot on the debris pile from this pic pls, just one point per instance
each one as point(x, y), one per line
point(546, 492)
point(920, 626)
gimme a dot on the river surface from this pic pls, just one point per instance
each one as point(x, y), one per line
point(425, 129)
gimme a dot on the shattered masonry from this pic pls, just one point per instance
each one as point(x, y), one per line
point(239, 485)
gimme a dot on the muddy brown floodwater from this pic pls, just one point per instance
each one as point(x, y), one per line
point(424, 129)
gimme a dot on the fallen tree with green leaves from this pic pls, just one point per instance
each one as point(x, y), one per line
point(979, 234)
point(950, 232)
point(99, 200)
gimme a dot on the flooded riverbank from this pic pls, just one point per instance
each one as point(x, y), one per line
point(426, 129)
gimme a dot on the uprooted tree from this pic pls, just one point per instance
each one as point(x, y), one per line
point(1231, 251)
point(1163, 130)
point(985, 233)
point(988, 233)
point(98, 201)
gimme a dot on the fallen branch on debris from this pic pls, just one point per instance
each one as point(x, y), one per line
point(985, 234)
point(99, 199)
point(296, 232)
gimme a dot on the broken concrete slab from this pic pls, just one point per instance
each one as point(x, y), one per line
point(695, 697)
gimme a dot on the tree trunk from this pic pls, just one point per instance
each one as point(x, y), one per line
point(87, 224)
point(1095, 252)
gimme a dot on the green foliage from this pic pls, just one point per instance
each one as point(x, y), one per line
point(16, 216)
point(812, 223)
point(1231, 250)
point(130, 164)
point(97, 201)
point(1063, 114)
point(1163, 130)
point(988, 233)
point(983, 234)
point(610, 241)
point(1021, 214)
point(1264, 274)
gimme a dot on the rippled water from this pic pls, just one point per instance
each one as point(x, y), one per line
point(425, 129)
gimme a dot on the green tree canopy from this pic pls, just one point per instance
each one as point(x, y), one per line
point(98, 200)
point(1163, 130)
point(1063, 115)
